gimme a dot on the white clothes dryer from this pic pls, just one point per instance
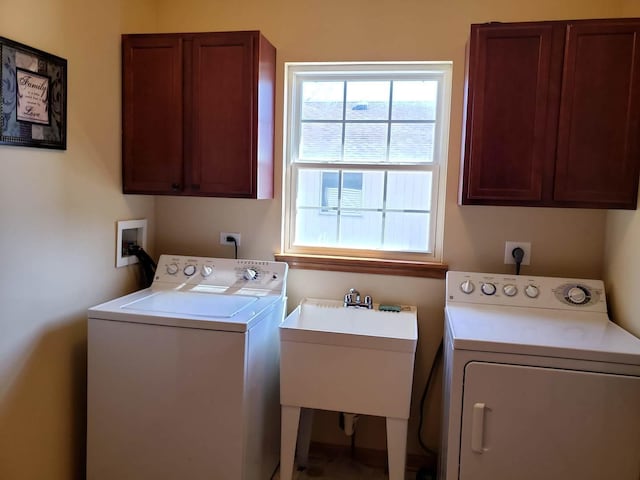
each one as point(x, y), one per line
point(183, 377)
point(538, 383)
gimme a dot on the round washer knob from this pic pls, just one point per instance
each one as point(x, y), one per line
point(467, 287)
point(510, 290)
point(250, 274)
point(531, 291)
point(488, 288)
point(189, 270)
point(577, 295)
point(172, 268)
point(206, 270)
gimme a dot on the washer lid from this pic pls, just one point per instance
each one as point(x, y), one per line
point(201, 304)
point(189, 309)
point(550, 333)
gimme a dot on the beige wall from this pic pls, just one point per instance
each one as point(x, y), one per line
point(622, 251)
point(57, 237)
point(564, 242)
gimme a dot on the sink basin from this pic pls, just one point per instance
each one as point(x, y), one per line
point(329, 322)
point(347, 359)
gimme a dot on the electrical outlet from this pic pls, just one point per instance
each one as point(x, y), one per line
point(508, 249)
point(224, 235)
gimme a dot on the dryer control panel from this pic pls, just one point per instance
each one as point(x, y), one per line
point(525, 291)
point(220, 275)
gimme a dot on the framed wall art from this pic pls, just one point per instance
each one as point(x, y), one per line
point(33, 97)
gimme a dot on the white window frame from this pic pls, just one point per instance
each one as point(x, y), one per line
point(295, 72)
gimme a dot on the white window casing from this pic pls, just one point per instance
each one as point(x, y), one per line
point(387, 122)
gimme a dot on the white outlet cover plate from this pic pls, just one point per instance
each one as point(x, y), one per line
point(508, 248)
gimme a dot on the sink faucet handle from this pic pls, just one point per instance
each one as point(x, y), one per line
point(368, 301)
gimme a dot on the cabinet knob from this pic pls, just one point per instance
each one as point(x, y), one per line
point(175, 187)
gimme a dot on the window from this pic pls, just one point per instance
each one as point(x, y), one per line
point(366, 147)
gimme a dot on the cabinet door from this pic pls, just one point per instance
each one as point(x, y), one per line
point(598, 155)
point(512, 100)
point(152, 114)
point(220, 119)
point(531, 423)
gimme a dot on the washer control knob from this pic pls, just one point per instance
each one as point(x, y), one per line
point(510, 290)
point(531, 291)
point(488, 288)
point(250, 274)
point(189, 270)
point(467, 287)
point(578, 295)
point(206, 270)
point(172, 268)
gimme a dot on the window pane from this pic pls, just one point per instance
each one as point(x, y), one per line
point(321, 141)
point(365, 142)
point(308, 188)
point(362, 230)
point(414, 100)
point(406, 231)
point(316, 228)
point(411, 142)
point(409, 190)
point(372, 189)
point(322, 100)
point(368, 100)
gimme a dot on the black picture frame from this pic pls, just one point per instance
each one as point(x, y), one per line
point(34, 112)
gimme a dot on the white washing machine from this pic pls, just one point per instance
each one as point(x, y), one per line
point(538, 383)
point(183, 377)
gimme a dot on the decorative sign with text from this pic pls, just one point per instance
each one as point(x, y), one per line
point(33, 97)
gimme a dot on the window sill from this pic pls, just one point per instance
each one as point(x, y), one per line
point(377, 266)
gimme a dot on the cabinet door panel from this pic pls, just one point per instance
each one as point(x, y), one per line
point(152, 114)
point(507, 149)
point(222, 115)
point(599, 137)
point(531, 423)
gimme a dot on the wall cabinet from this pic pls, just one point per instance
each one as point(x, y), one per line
point(553, 114)
point(198, 114)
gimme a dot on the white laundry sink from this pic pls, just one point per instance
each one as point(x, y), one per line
point(348, 359)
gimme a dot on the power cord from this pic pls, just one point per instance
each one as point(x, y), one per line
point(235, 245)
point(517, 254)
point(436, 357)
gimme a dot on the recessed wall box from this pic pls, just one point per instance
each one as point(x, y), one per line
point(129, 232)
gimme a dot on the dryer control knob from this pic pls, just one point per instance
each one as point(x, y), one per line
point(250, 274)
point(531, 291)
point(510, 290)
point(467, 287)
point(206, 270)
point(189, 270)
point(172, 268)
point(578, 295)
point(488, 288)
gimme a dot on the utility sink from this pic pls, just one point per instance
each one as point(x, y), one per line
point(347, 359)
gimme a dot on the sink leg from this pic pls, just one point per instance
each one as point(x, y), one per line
point(289, 434)
point(397, 447)
point(304, 437)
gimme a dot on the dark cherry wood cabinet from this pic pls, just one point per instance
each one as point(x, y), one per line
point(553, 114)
point(198, 114)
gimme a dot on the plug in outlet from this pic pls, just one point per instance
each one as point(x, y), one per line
point(224, 235)
point(508, 249)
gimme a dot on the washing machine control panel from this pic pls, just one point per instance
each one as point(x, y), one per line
point(525, 291)
point(220, 275)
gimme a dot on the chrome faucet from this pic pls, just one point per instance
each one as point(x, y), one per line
point(353, 299)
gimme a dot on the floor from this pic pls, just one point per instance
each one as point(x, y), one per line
point(341, 468)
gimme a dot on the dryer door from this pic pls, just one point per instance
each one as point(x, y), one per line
point(528, 423)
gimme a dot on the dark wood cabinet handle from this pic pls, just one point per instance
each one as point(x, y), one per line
point(175, 187)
